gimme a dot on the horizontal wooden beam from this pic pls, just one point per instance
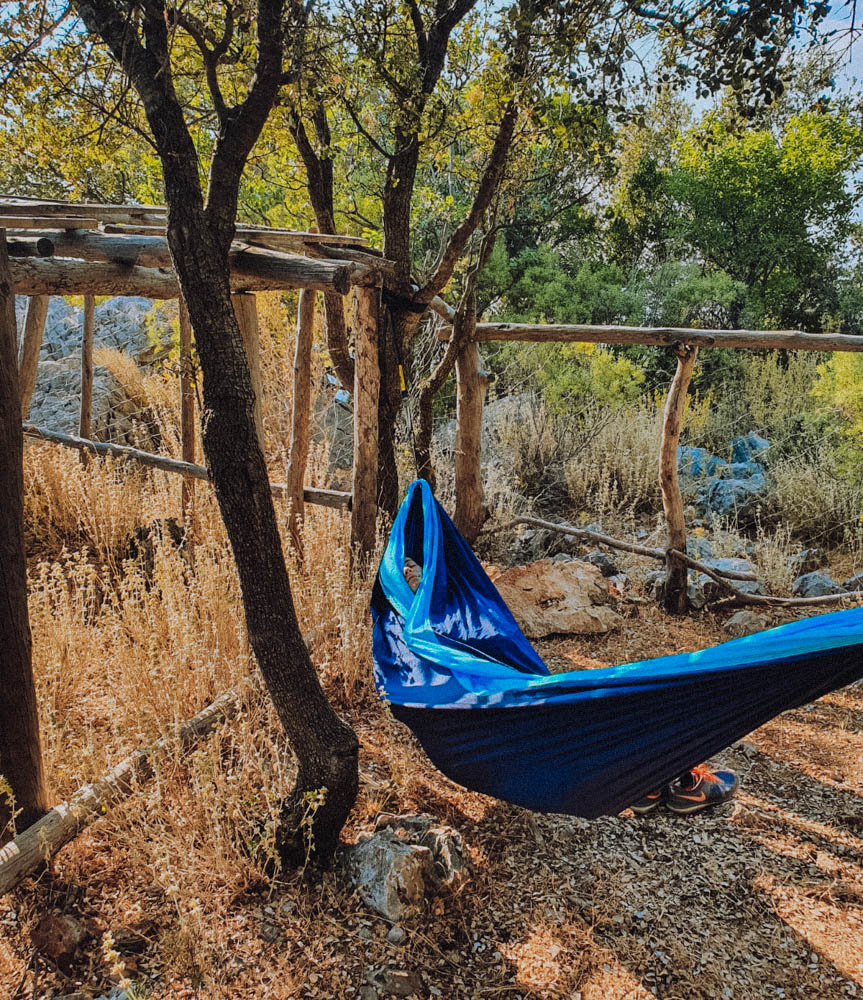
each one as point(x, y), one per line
point(53, 222)
point(323, 498)
point(251, 271)
point(288, 238)
point(665, 336)
point(33, 246)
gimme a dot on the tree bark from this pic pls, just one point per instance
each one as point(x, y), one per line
point(675, 598)
point(187, 411)
point(299, 449)
point(20, 747)
point(246, 308)
point(470, 510)
point(31, 345)
point(85, 416)
point(366, 389)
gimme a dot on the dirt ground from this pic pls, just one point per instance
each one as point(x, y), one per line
point(761, 898)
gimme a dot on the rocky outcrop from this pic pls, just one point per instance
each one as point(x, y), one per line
point(548, 597)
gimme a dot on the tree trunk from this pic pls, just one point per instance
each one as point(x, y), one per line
point(86, 415)
point(31, 345)
point(299, 451)
point(470, 511)
point(20, 748)
point(675, 597)
point(326, 747)
point(246, 308)
point(366, 388)
point(187, 411)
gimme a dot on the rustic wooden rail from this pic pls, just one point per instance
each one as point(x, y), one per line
point(324, 498)
point(665, 336)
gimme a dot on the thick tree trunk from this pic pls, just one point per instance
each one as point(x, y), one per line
point(187, 411)
point(470, 510)
point(675, 597)
point(246, 308)
point(20, 749)
point(299, 450)
point(366, 389)
point(85, 417)
point(31, 345)
point(326, 747)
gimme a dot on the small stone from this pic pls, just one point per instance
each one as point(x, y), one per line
point(390, 875)
point(745, 623)
point(368, 993)
point(10, 917)
point(396, 934)
point(58, 936)
point(365, 932)
point(603, 562)
point(269, 933)
point(396, 982)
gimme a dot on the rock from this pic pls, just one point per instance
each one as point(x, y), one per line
point(693, 461)
point(807, 561)
point(654, 583)
point(365, 932)
point(853, 582)
point(603, 562)
point(699, 548)
point(368, 993)
point(390, 875)
point(396, 935)
point(745, 623)
point(744, 470)
point(703, 589)
point(748, 447)
point(445, 843)
point(815, 585)
point(732, 498)
point(395, 982)
point(547, 597)
point(58, 936)
point(542, 543)
point(269, 932)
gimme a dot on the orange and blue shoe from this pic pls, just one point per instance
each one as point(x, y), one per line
point(649, 802)
point(700, 788)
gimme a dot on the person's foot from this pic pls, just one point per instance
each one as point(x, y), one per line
point(648, 803)
point(699, 789)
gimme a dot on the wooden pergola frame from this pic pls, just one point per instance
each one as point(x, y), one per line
point(57, 248)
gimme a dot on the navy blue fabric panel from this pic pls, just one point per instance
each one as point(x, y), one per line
point(456, 668)
point(595, 757)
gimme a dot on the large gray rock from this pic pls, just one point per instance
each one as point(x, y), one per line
point(807, 561)
point(732, 498)
point(547, 597)
point(703, 589)
point(748, 447)
point(445, 843)
point(853, 582)
point(745, 623)
point(116, 416)
point(815, 585)
point(603, 562)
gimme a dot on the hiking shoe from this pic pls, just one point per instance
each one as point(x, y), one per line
point(700, 788)
point(648, 803)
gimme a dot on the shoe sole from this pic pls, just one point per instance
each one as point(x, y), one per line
point(645, 810)
point(695, 807)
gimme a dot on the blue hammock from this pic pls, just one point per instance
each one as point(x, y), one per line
point(456, 669)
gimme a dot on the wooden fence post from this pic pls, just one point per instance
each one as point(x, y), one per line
point(367, 378)
point(187, 410)
point(246, 308)
point(299, 449)
point(31, 345)
point(676, 571)
point(470, 510)
point(85, 419)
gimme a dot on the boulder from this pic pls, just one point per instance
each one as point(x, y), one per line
point(807, 561)
point(603, 562)
point(745, 623)
point(737, 498)
point(443, 841)
point(703, 589)
point(853, 582)
point(390, 875)
point(748, 447)
point(693, 461)
point(546, 597)
point(815, 585)
point(699, 548)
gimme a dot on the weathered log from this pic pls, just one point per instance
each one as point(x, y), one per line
point(31, 345)
point(246, 309)
point(791, 340)
point(366, 392)
point(470, 510)
point(86, 414)
point(615, 543)
point(187, 410)
point(41, 841)
point(35, 222)
point(675, 597)
point(299, 447)
point(251, 272)
point(323, 498)
point(20, 208)
point(32, 246)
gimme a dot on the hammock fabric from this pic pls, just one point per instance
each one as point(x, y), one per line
point(455, 668)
